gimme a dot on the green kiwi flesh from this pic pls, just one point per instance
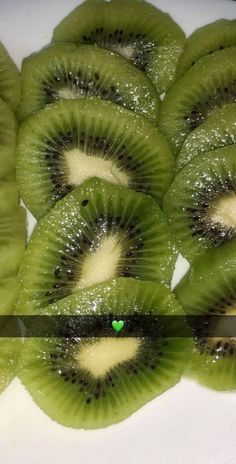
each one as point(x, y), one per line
point(71, 141)
point(205, 40)
point(8, 128)
point(9, 79)
point(9, 352)
point(12, 241)
point(144, 35)
point(219, 130)
point(200, 204)
point(209, 289)
point(95, 382)
point(208, 85)
point(65, 71)
point(98, 231)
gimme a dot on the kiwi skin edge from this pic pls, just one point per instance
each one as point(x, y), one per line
point(87, 399)
point(208, 288)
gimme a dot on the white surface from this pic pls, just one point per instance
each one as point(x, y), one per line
point(188, 424)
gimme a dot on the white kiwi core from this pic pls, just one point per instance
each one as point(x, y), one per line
point(104, 354)
point(101, 264)
point(69, 94)
point(81, 166)
point(223, 211)
point(125, 50)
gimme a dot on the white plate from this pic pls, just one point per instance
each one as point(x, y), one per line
point(188, 424)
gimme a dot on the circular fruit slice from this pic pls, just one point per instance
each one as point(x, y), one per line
point(71, 141)
point(141, 33)
point(209, 289)
point(9, 79)
point(200, 204)
point(208, 85)
point(97, 232)
point(66, 71)
point(94, 382)
point(207, 39)
point(219, 130)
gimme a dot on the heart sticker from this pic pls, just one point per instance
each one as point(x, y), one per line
point(118, 325)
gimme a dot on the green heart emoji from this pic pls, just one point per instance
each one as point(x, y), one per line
point(118, 325)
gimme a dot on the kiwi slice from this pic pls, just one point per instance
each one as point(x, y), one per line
point(9, 79)
point(209, 289)
point(200, 204)
point(71, 141)
point(66, 71)
point(8, 128)
point(12, 229)
point(96, 232)
point(219, 130)
point(138, 31)
point(207, 39)
point(9, 351)
point(208, 85)
point(94, 382)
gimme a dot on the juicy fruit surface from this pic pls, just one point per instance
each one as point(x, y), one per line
point(12, 218)
point(95, 382)
point(9, 79)
point(97, 232)
point(9, 355)
point(67, 71)
point(204, 41)
point(72, 141)
point(208, 85)
point(209, 288)
point(146, 36)
point(200, 204)
point(12, 244)
point(8, 127)
point(219, 130)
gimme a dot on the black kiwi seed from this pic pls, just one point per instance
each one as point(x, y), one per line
point(84, 202)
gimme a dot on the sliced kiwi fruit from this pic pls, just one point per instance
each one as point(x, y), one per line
point(205, 40)
point(96, 232)
point(200, 204)
point(9, 351)
point(9, 79)
point(8, 129)
point(208, 85)
point(95, 382)
point(209, 289)
point(12, 228)
point(71, 141)
point(66, 71)
point(138, 31)
point(219, 130)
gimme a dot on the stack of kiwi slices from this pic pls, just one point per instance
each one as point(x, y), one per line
point(93, 168)
point(12, 216)
point(199, 119)
point(119, 181)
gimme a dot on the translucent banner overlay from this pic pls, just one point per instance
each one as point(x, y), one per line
point(117, 326)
